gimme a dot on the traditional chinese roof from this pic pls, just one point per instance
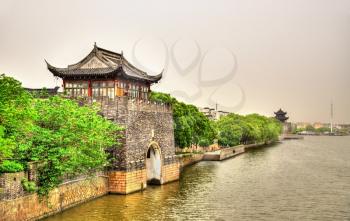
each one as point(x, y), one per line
point(280, 112)
point(103, 63)
point(281, 115)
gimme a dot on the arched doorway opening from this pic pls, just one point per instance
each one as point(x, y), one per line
point(153, 164)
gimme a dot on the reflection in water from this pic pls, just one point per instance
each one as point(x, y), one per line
point(295, 180)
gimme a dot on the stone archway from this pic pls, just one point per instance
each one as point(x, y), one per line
point(153, 164)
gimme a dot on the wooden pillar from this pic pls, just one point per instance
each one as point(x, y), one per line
point(90, 89)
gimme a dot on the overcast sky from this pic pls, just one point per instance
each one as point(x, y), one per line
point(246, 55)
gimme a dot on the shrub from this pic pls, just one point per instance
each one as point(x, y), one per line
point(204, 143)
point(8, 166)
point(28, 186)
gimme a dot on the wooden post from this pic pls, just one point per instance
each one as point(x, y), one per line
point(90, 89)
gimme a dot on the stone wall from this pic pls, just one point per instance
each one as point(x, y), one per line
point(189, 159)
point(123, 182)
point(11, 186)
point(212, 157)
point(170, 172)
point(255, 145)
point(198, 149)
point(145, 127)
point(30, 207)
point(229, 152)
point(145, 124)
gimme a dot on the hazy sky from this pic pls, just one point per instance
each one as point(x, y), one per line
point(246, 55)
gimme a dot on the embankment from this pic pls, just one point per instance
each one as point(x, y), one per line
point(69, 194)
point(189, 159)
point(229, 152)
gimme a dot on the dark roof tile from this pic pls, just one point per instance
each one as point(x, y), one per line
point(114, 64)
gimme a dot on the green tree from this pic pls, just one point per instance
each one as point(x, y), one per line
point(191, 127)
point(16, 122)
point(310, 128)
point(65, 138)
point(236, 129)
point(229, 134)
point(68, 140)
point(323, 130)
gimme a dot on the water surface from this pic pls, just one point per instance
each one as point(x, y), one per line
point(295, 180)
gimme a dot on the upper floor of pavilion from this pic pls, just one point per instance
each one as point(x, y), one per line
point(104, 73)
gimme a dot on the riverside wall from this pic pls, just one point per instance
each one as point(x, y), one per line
point(229, 152)
point(189, 159)
point(69, 194)
point(219, 154)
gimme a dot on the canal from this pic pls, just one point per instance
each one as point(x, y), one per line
point(295, 180)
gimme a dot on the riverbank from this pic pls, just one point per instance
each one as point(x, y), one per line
point(187, 159)
point(292, 137)
point(66, 195)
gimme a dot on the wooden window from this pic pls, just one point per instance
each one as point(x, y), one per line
point(121, 86)
point(133, 91)
point(103, 89)
point(77, 89)
point(144, 92)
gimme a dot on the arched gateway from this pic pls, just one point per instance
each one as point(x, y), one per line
point(153, 164)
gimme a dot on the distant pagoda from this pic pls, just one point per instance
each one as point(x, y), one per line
point(281, 115)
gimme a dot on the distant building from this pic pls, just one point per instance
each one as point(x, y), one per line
point(212, 113)
point(344, 126)
point(220, 114)
point(208, 112)
point(318, 125)
point(281, 115)
point(301, 125)
point(44, 92)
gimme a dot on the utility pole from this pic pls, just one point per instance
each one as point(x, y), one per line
point(331, 117)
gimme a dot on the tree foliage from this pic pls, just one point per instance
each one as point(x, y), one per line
point(64, 138)
point(310, 128)
point(10, 166)
point(15, 117)
point(191, 127)
point(69, 139)
point(236, 129)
